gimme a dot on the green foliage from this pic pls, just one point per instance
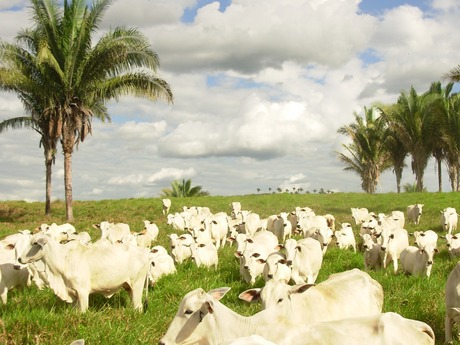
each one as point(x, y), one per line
point(38, 317)
point(183, 189)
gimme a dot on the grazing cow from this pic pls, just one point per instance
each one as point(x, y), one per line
point(180, 247)
point(393, 243)
point(373, 254)
point(161, 263)
point(202, 319)
point(166, 203)
point(307, 226)
point(449, 219)
point(204, 254)
point(418, 261)
point(453, 244)
point(381, 329)
point(414, 212)
point(282, 227)
point(276, 267)
point(78, 271)
point(305, 259)
point(359, 215)
point(113, 232)
point(345, 237)
point(423, 238)
point(452, 298)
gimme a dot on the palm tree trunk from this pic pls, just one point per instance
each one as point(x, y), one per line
point(439, 175)
point(48, 170)
point(68, 185)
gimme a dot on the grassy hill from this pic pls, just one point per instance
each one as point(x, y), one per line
point(38, 317)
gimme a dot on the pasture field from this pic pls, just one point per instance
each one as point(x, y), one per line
point(38, 317)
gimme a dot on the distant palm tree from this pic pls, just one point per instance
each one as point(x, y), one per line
point(183, 189)
point(411, 188)
point(366, 155)
point(258, 190)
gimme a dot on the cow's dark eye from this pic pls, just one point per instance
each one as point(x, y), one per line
point(280, 300)
point(188, 312)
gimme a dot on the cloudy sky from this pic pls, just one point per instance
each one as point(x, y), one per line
point(260, 88)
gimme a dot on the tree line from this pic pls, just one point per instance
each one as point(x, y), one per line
point(419, 126)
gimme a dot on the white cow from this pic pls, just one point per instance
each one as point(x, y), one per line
point(305, 259)
point(423, 238)
point(202, 319)
point(218, 227)
point(236, 209)
point(59, 232)
point(249, 340)
point(251, 222)
point(453, 244)
point(373, 255)
point(276, 267)
point(418, 261)
point(166, 203)
point(8, 242)
point(282, 227)
point(414, 212)
point(449, 219)
point(113, 232)
point(381, 329)
point(148, 235)
point(177, 221)
point(324, 237)
point(307, 226)
point(83, 237)
point(161, 263)
point(78, 271)
point(204, 254)
point(180, 247)
point(359, 215)
point(345, 237)
point(452, 298)
point(255, 251)
point(10, 277)
point(393, 243)
point(201, 234)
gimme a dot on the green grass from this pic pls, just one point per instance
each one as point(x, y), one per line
point(38, 317)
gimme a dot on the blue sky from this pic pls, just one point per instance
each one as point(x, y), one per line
point(260, 88)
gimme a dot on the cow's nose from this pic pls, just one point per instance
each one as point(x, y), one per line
point(383, 248)
point(289, 263)
point(161, 343)
point(430, 262)
point(17, 267)
point(270, 276)
point(20, 260)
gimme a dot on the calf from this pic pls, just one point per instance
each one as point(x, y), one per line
point(180, 247)
point(373, 255)
point(359, 215)
point(423, 238)
point(418, 261)
point(161, 263)
point(449, 219)
point(282, 227)
point(414, 212)
point(166, 203)
point(345, 237)
point(324, 237)
point(276, 267)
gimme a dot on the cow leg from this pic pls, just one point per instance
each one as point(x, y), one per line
point(135, 294)
point(395, 264)
point(82, 301)
point(4, 294)
point(448, 324)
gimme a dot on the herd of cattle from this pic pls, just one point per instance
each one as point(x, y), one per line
point(282, 248)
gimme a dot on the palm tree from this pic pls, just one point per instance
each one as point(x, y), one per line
point(21, 74)
point(413, 124)
point(81, 76)
point(183, 189)
point(366, 155)
point(397, 152)
point(453, 75)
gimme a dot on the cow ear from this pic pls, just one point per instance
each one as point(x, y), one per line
point(251, 295)
point(41, 241)
point(219, 292)
point(299, 288)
